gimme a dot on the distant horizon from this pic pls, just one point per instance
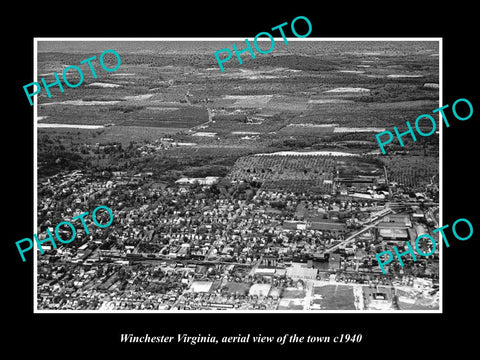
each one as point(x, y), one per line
point(363, 46)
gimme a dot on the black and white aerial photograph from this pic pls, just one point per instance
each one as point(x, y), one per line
point(214, 180)
point(260, 188)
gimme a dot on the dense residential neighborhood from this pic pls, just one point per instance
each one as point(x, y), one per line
point(194, 246)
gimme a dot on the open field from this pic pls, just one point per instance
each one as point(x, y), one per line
point(121, 134)
point(307, 95)
point(281, 82)
point(127, 113)
point(334, 297)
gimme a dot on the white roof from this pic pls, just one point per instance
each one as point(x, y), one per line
point(259, 289)
point(201, 286)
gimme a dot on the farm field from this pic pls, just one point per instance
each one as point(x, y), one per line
point(301, 173)
point(414, 171)
point(324, 95)
point(121, 134)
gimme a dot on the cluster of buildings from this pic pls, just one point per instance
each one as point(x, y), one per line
point(192, 245)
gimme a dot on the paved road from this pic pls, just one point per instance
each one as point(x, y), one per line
point(353, 236)
point(257, 264)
